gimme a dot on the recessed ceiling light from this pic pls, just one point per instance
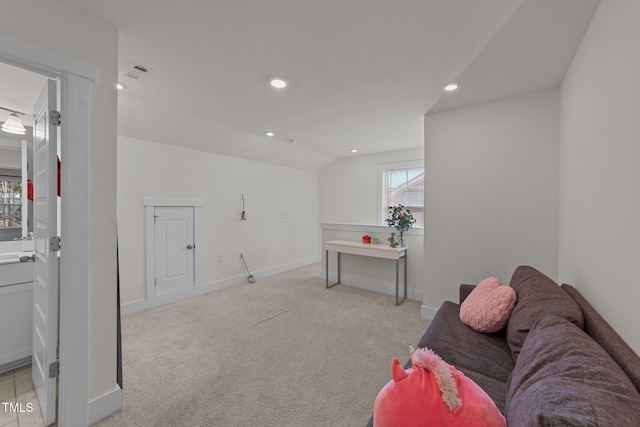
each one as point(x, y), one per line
point(450, 87)
point(269, 133)
point(354, 150)
point(278, 82)
point(121, 86)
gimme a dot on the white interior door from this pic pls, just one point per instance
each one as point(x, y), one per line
point(45, 284)
point(174, 249)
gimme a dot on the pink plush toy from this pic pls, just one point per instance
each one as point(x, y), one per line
point(433, 393)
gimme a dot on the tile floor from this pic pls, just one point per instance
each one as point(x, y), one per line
point(16, 388)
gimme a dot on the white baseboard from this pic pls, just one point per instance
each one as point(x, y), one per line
point(428, 312)
point(105, 405)
point(372, 285)
point(16, 356)
point(133, 307)
point(284, 267)
point(194, 291)
point(16, 363)
point(143, 304)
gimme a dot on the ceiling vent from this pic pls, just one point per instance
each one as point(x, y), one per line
point(136, 71)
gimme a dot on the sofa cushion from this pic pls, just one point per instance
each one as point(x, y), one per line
point(488, 307)
point(537, 296)
point(485, 358)
point(564, 378)
point(607, 337)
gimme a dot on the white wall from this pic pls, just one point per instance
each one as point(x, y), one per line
point(151, 170)
point(10, 157)
point(349, 195)
point(349, 186)
point(599, 173)
point(491, 193)
point(56, 26)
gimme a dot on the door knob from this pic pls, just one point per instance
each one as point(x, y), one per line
point(190, 246)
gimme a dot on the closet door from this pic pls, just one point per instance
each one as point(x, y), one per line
point(174, 249)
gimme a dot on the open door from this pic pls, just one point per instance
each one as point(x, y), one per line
point(46, 280)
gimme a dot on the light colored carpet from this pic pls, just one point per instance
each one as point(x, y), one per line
point(283, 351)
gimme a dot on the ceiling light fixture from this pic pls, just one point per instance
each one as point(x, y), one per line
point(278, 82)
point(450, 87)
point(121, 86)
point(269, 133)
point(354, 150)
point(13, 124)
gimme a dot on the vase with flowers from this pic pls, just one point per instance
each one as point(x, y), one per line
point(402, 220)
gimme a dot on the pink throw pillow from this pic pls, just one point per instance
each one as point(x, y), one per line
point(488, 306)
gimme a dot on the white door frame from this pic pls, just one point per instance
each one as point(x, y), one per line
point(152, 299)
point(75, 79)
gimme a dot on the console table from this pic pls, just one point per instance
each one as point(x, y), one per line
point(365, 249)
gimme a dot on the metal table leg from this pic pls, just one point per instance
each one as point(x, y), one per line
point(405, 276)
point(397, 279)
point(327, 270)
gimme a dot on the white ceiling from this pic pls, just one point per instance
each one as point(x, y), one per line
point(19, 90)
point(363, 72)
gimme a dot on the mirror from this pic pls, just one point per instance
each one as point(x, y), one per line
point(15, 219)
point(19, 90)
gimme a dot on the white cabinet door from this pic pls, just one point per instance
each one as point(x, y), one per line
point(45, 283)
point(174, 249)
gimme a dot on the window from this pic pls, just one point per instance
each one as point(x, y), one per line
point(402, 184)
point(10, 202)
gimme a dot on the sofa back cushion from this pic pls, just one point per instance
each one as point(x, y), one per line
point(564, 378)
point(607, 337)
point(537, 296)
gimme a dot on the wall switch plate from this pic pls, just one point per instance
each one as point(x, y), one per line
point(284, 215)
point(219, 257)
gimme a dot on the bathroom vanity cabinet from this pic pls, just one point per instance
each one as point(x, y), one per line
point(16, 313)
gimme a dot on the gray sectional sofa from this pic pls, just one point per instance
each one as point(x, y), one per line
point(557, 362)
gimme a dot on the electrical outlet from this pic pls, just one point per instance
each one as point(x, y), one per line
point(245, 196)
point(219, 257)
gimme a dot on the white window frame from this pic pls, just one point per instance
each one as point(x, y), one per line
point(382, 186)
